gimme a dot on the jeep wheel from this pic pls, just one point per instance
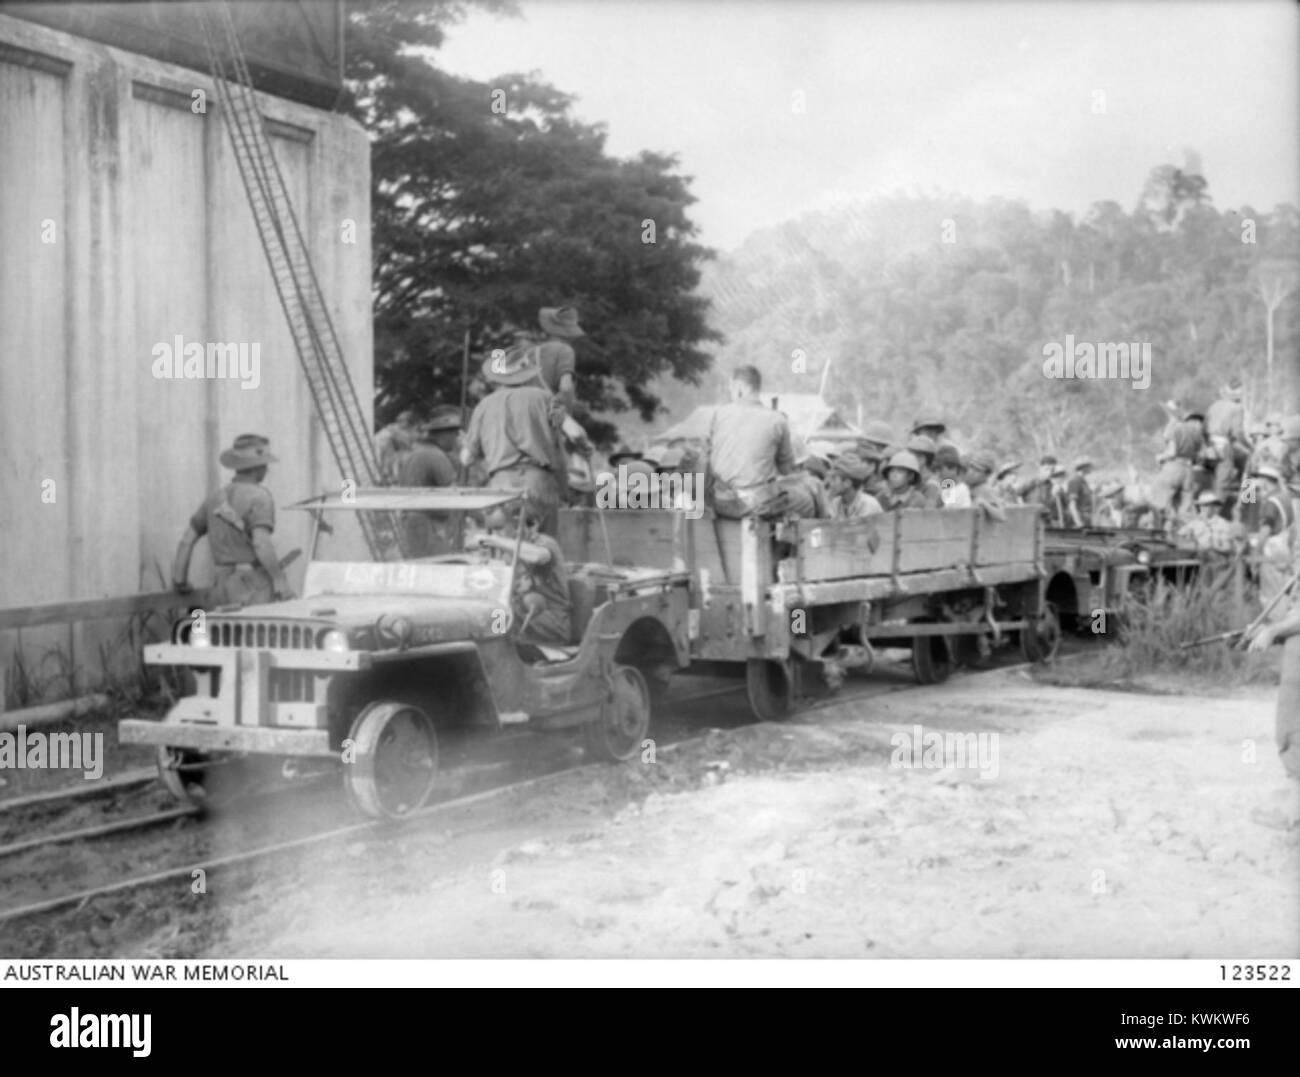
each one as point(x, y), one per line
point(395, 764)
point(209, 782)
point(624, 718)
point(770, 686)
point(1040, 641)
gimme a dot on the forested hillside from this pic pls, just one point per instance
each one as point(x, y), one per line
point(920, 303)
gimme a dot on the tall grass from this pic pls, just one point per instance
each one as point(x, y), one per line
point(1161, 618)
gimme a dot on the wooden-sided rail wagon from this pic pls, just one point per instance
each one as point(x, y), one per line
point(798, 603)
point(376, 657)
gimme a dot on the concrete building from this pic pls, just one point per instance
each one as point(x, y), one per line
point(123, 228)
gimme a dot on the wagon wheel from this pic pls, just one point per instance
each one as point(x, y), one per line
point(396, 760)
point(209, 782)
point(931, 660)
point(624, 718)
point(1040, 641)
point(770, 685)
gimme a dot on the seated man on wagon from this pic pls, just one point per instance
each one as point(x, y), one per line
point(751, 457)
point(903, 479)
point(983, 493)
point(844, 487)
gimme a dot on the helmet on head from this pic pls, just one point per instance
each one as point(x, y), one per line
point(906, 460)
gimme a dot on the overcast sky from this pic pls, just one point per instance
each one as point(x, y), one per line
point(1061, 104)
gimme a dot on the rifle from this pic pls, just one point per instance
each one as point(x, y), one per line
point(1238, 634)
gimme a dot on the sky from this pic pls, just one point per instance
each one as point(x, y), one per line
point(778, 107)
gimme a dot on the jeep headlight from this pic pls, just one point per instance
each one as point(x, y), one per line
point(199, 635)
point(1144, 557)
point(333, 639)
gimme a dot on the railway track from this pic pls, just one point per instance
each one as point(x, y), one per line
point(186, 870)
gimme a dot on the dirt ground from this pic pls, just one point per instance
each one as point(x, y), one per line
point(1096, 824)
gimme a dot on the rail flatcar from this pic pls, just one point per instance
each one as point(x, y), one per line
point(376, 657)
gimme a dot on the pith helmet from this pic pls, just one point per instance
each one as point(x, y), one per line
point(879, 431)
point(921, 443)
point(1209, 497)
point(906, 460)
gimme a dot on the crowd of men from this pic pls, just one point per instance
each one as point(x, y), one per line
point(1223, 486)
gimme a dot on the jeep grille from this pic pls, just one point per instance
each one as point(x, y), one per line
point(263, 634)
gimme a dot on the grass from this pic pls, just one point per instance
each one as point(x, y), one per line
point(1156, 624)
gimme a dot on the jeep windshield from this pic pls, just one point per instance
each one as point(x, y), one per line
point(341, 564)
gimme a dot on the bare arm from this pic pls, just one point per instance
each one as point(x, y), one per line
point(181, 563)
point(264, 548)
point(530, 553)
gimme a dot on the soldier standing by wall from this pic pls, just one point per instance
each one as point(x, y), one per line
point(429, 463)
point(238, 520)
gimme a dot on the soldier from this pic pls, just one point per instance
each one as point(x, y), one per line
point(877, 437)
point(1285, 629)
point(903, 481)
point(1078, 495)
point(844, 487)
point(1290, 435)
point(1275, 539)
point(1225, 431)
point(392, 442)
point(932, 428)
point(1207, 530)
point(1110, 510)
point(1035, 490)
point(1271, 449)
point(1004, 482)
point(541, 606)
point(1173, 486)
point(948, 470)
point(983, 494)
point(515, 431)
point(1054, 500)
point(238, 520)
point(923, 449)
point(750, 454)
point(429, 463)
point(555, 354)
point(874, 484)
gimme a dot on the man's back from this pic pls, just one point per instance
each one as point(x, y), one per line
point(512, 426)
point(1226, 418)
point(749, 444)
point(426, 465)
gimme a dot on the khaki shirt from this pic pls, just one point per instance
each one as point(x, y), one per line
point(749, 444)
point(228, 517)
point(550, 580)
point(514, 425)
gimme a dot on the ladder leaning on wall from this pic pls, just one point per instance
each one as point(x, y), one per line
point(314, 338)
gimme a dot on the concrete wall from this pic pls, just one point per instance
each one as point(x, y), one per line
point(123, 223)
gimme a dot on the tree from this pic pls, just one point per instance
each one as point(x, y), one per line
point(490, 201)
